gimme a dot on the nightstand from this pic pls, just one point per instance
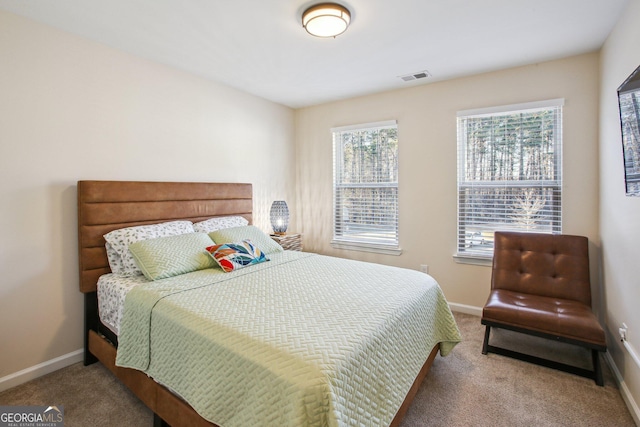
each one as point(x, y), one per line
point(290, 242)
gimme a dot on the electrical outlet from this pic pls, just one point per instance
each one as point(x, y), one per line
point(623, 332)
point(424, 268)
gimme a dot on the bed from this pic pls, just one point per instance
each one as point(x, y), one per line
point(324, 380)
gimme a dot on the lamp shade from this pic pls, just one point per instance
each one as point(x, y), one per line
point(326, 19)
point(279, 216)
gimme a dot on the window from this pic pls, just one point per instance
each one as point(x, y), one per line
point(365, 187)
point(509, 173)
point(629, 103)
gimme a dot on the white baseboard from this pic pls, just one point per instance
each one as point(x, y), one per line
point(632, 405)
point(41, 369)
point(467, 309)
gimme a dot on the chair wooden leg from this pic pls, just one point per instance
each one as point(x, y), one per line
point(597, 369)
point(487, 331)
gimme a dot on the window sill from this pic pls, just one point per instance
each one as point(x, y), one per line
point(363, 247)
point(473, 260)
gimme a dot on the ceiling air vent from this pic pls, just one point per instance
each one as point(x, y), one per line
point(415, 76)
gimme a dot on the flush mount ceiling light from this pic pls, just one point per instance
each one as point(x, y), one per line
point(326, 19)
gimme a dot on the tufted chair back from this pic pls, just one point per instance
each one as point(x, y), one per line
point(555, 266)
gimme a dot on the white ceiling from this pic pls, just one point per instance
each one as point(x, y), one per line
point(259, 46)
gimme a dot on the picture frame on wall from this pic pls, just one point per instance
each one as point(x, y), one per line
point(629, 107)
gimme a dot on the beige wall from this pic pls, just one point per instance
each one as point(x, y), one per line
point(70, 110)
point(427, 184)
point(620, 215)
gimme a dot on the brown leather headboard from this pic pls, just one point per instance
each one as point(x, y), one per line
point(104, 206)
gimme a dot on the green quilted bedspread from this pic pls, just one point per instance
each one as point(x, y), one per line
point(302, 340)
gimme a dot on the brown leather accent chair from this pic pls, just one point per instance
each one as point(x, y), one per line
point(540, 286)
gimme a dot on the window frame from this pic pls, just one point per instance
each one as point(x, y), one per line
point(553, 186)
point(339, 241)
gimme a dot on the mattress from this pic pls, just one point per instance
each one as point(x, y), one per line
point(112, 291)
point(302, 340)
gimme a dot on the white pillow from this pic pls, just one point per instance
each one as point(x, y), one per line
point(118, 242)
point(114, 259)
point(219, 223)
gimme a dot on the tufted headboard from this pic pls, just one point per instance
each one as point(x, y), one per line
point(104, 206)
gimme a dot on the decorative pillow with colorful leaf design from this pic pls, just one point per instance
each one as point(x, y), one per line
point(233, 256)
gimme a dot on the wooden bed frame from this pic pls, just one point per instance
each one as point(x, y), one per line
point(104, 206)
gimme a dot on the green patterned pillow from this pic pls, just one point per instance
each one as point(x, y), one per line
point(248, 232)
point(170, 256)
point(118, 241)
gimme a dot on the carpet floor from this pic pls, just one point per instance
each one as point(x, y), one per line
point(465, 388)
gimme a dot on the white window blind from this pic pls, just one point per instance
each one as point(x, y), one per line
point(365, 186)
point(509, 173)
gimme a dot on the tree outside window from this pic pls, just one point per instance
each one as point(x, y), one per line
point(509, 173)
point(366, 185)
